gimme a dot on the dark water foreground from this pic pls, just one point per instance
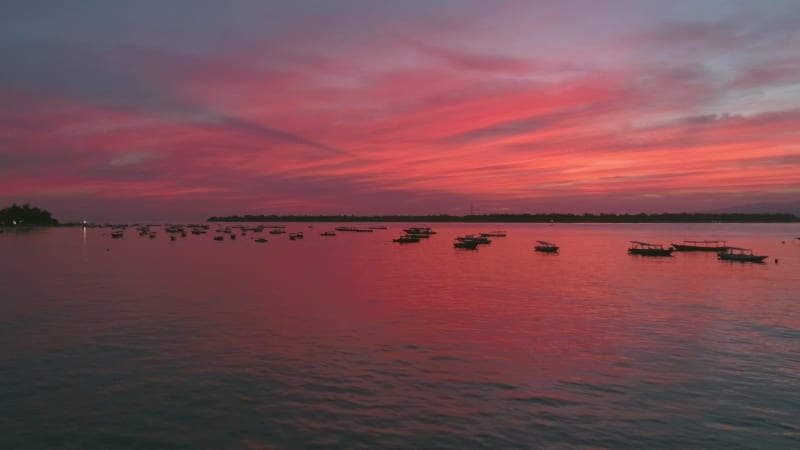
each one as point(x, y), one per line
point(356, 342)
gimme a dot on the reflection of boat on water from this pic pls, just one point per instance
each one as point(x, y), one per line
point(496, 233)
point(740, 254)
point(546, 247)
point(406, 239)
point(701, 246)
point(647, 249)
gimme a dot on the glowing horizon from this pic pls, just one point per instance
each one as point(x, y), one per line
point(146, 111)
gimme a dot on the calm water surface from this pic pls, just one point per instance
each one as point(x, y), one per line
point(357, 342)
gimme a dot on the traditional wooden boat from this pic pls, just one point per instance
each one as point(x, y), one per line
point(117, 234)
point(546, 247)
point(477, 238)
point(419, 230)
point(295, 236)
point(647, 249)
point(377, 227)
point(701, 246)
point(496, 233)
point(419, 235)
point(260, 240)
point(354, 229)
point(740, 254)
point(327, 233)
point(219, 238)
point(469, 244)
point(406, 239)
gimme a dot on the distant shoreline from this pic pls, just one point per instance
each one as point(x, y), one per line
point(528, 218)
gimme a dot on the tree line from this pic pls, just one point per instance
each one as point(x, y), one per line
point(26, 215)
point(525, 218)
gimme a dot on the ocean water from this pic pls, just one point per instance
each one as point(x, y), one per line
point(354, 341)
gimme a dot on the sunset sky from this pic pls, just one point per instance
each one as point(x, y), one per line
point(179, 110)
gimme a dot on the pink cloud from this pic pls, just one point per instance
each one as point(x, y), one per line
point(437, 121)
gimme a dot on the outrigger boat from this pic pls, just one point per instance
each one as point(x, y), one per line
point(740, 254)
point(546, 247)
point(701, 246)
point(647, 249)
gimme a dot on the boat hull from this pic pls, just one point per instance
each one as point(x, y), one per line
point(406, 240)
point(697, 248)
point(650, 251)
point(545, 249)
point(741, 258)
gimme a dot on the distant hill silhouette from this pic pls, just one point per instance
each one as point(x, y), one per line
point(26, 215)
point(559, 218)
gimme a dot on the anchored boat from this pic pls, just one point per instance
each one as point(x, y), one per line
point(480, 239)
point(701, 246)
point(470, 244)
point(354, 229)
point(546, 247)
point(740, 254)
point(406, 239)
point(647, 249)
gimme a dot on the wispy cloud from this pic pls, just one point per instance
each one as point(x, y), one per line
point(421, 108)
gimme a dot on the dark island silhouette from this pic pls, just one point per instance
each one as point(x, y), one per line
point(527, 218)
point(26, 215)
